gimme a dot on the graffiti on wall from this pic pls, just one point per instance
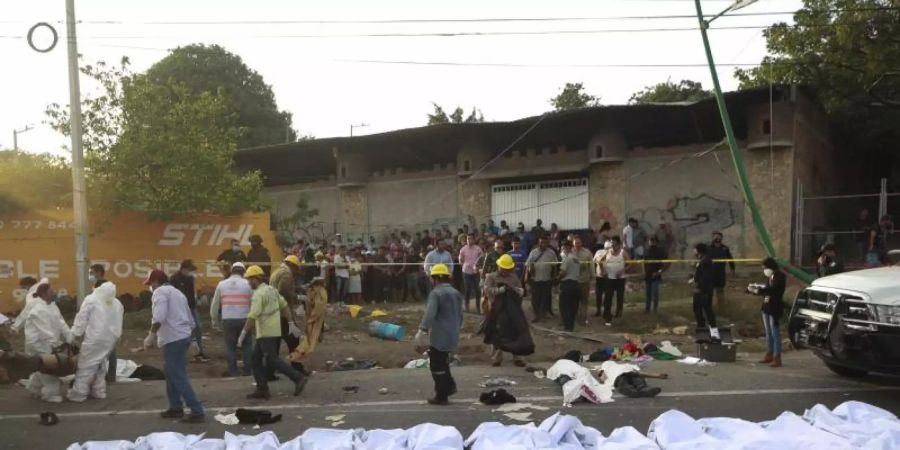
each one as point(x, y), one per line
point(688, 220)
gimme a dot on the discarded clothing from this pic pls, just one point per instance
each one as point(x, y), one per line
point(580, 383)
point(147, 373)
point(660, 355)
point(497, 397)
point(256, 417)
point(497, 382)
point(601, 355)
point(694, 361)
point(227, 419)
point(352, 364)
point(573, 355)
point(667, 347)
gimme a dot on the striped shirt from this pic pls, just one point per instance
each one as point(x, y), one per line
point(233, 295)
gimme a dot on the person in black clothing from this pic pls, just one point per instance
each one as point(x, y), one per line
point(653, 274)
point(703, 289)
point(183, 280)
point(718, 250)
point(230, 256)
point(772, 309)
point(828, 263)
point(259, 255)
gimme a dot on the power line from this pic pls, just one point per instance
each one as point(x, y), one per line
point(457, 20)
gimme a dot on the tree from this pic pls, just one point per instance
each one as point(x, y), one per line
point(847, 52)
point(203, 68)
point(458, 116)
point(572, 96)
point(33, 181)
point(669, 92)
point(160, 148)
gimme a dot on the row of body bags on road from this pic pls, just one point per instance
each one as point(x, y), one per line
point(851, 425)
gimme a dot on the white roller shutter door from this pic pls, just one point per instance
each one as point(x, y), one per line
point(564, 202)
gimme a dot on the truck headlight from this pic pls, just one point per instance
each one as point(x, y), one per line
point(887, 314)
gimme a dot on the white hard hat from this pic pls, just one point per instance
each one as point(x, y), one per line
point(238, 265)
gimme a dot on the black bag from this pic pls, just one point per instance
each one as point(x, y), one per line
point(507, 327)
point(253, 417)
point(497, 397)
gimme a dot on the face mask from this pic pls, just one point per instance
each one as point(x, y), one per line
point(192, 274)
point(92, 278)
point(768, 272)
point(236, 248)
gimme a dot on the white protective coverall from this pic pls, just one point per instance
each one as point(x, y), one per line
point(45, 329)
point(99, 321)
point(29, 303)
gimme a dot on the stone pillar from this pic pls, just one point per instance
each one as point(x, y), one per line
point(353, 213)
point(772, 179)
point(474, 200)
point(608, 187)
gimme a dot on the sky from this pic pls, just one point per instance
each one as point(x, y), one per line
point(334, 75)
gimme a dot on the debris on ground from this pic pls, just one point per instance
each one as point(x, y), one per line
point(497, 397)
point(385, 330)
point(497, 382)
point(567, 334)
point(227, 419)
point(513, 407)
point(420, 363)
point(351, 389)
point(257, 417)
point(694, 361)
point(48, 418)
point(376, 313)
point(521, 417)
point(668, 347)
point(539, 374)
point(680, 330)
point(337, 420)
point(350, 364)
point(383, 391)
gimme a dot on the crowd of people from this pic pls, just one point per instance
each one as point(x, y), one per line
point(489, 271)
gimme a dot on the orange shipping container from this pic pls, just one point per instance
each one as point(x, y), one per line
point(42, 244)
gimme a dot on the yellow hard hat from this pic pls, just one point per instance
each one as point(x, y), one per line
point(254, 271)
point(440, 269)
point(293, 259)
point(506, 262)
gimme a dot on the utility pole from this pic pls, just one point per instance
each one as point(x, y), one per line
point(357, 125)
point(79, 202)
point(736, 156)
point(16, 134)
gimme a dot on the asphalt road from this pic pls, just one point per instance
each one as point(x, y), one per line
point(741, 389)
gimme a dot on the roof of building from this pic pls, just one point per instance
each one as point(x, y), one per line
point(882, 285)
point(646, 125)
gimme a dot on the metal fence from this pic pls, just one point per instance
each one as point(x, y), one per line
point(838, 219)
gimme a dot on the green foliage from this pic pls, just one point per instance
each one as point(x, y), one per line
point(848, 52)
point(33, 181)
point(160, 148)
point(296, 225)
point(669, 92)
point(572, 96)
point(458, 116)
point(211, 69)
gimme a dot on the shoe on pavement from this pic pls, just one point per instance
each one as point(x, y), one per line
point(436, 401)
point(259, 395)
point(194, 418)
point(651, 392)
point(298, 387)
point(519, 363)
point(495, 364)
point(172, 414)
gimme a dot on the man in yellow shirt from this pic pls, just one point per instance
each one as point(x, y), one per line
point(267, 307)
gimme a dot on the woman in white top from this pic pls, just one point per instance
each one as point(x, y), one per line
point(354, 287)
point(600, 287)
point(613, 268)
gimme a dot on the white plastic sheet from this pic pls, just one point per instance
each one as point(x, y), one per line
point(581, 385)
point(851, 425)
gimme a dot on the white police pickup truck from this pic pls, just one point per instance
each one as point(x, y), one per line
point(851, 321)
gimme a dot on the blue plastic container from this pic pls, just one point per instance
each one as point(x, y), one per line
point(387, 331)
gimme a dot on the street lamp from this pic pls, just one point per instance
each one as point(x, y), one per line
point(357, 125)
point(736, 157)
point(16, 134)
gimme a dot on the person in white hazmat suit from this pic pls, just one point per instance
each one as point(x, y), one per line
point(29, 303)
point(98, 325)
point(45, 329)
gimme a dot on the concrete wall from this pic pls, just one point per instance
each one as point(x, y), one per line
point(324, 198)
point(413, 204)
point(693, 197)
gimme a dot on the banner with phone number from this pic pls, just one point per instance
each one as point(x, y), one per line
point(42, 244)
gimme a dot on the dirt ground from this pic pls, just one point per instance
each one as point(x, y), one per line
point(349, 338)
